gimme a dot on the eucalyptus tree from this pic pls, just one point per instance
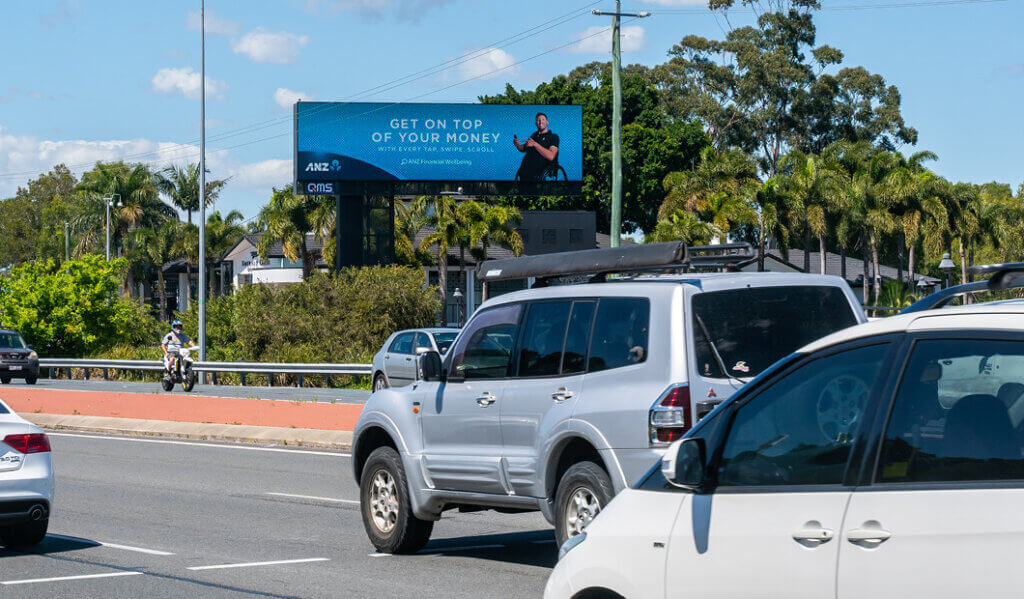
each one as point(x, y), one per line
point(181, 185)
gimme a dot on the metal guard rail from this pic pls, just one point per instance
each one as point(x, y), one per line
point(237, 367)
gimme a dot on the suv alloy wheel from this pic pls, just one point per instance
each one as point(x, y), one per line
point(582, 493)
point(384, 503)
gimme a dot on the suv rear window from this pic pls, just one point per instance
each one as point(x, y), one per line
point(754, 327)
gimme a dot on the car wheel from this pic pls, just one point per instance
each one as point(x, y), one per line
point(384, 503)
point(24, 535)
point(30, 380)
point(379, 382)
point(5, 380)
point(582, 493)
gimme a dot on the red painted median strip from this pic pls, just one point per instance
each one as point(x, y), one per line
point(184, 408)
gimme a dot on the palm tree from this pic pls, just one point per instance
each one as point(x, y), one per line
point(682, 226)
point(909, 184)
point(287, 219)
point(729, 173)
point(726, 212)
point(775, 215)
point(408, 222)
point(161, 246)
point(816, 187)
point(181, 185)
point(221, 234)
point(446, 231)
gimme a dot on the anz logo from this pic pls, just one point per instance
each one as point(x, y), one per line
point(323, 167)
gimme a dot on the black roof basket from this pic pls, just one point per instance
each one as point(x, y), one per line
point(1004, 276)
point(597, 264)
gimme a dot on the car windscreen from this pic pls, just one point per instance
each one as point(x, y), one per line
point(444, 341)
point(11, 340)
point(753, 327)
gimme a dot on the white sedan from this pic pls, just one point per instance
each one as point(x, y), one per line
point(26, 481)
point(883, 461)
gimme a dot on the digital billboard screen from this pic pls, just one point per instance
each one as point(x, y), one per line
point(343, 142)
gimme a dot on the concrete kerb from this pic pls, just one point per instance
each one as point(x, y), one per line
point(237, 433)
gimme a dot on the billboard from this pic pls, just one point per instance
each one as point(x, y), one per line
point(533, 145)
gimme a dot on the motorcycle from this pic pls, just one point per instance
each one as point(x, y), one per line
point(181, 371)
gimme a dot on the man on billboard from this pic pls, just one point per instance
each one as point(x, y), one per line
point(541, 153)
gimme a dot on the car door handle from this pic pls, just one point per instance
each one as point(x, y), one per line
point(870, 536)
point(485, 400)
point(562, 394)
point(813, 534)
point(407, 359)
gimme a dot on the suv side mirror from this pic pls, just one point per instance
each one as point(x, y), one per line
point(683, 464)
point(428, 364)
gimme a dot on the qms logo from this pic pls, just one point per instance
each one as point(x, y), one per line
point(323, 167)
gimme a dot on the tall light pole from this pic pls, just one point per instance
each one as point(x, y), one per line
point(202, 182)
point(616, 229)
point(67, 241)
point(109, 200)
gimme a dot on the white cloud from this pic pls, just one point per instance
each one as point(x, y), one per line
point(26, 157)
point(598, 40)
point(278, 47)
point(287, 98)
point(488, 63)
point(214, 24)
point(185, 81)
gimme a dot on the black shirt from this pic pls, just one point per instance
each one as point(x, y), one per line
point(534, 165)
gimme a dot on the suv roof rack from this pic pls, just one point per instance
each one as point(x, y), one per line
point(599, 263)
point(1009, 275)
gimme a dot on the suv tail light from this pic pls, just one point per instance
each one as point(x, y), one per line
point(670, 415)
point(31, 443)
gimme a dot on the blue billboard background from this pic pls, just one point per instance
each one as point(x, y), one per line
point(337, 141)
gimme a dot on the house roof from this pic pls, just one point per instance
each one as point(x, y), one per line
point(277, 249)
point(834, 265)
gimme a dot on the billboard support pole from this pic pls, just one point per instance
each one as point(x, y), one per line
point(337, 233)
point(616, 225)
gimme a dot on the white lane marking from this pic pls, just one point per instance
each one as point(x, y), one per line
point(255, 564)
point(373, 554)
point(314, 497)
point(112, 545)
point(60, 578)
point(201, 444)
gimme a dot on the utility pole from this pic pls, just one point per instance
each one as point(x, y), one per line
point(109, 200)
point(201, 295)
point(616, 229)
point(67, 241)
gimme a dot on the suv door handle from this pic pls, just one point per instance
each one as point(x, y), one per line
point(562, 394)
point(813, 534)
point(407, 359)
point(871, 536)
point(485, 400)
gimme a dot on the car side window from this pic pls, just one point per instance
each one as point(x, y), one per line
point(540, 350)
point(484, 350)
point(402, 344)
point(958, 414)
point(800, 429)
point(620, 333)
point(422, 342)
point(577, 337)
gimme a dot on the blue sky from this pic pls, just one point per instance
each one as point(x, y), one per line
point(84, 80)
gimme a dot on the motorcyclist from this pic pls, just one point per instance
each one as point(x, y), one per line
point(172, 342)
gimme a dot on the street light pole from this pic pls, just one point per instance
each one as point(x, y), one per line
point(67, 241)
point(202, 182)
point(616, 227)
point(109, 200)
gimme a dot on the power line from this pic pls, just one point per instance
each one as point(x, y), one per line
point(848, 7)
point(169, 151)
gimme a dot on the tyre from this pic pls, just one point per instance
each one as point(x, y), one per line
point(384, 503)
point(30, 380)
point(188, 381)
point(24, 535)
point(379, 382)
point(167, 383)
point(582, 493)
point(5, 380)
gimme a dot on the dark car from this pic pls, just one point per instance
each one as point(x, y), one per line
point(17, 360)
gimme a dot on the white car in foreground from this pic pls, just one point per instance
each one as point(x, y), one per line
point(883, 461)
point(26, 481)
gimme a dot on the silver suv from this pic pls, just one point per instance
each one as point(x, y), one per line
point(558, 397)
